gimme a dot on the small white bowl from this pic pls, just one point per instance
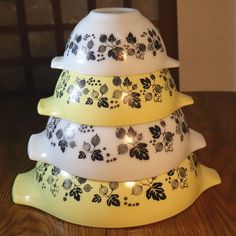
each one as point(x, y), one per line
point(114, 41)
point(116, 154)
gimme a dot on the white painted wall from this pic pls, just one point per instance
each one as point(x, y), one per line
point(207, 45)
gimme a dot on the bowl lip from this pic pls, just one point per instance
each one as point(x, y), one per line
point(114, 11)
point(60, 63)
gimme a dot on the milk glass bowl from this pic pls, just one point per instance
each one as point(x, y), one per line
point(114, 100)
point(116, 153)
point(113, 204)
point(114, 41)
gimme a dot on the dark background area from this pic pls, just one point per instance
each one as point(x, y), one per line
point(32, 32)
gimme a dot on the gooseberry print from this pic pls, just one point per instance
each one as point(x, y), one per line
point(65, 137)
point(161, 138)
point(182, 127)
point(111, 47)
point(62, 84)
point(134, 145)
point(96, 154)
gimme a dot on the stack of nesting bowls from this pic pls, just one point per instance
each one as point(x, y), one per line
point(117, 150)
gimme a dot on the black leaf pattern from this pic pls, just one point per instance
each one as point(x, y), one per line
point(96, 155)
point(133, 100)
point(130, 38)
point(96, 198)
point(111, 38)
point(82, 155)
point(116, 53)
point(103, 102)
point(113, 200)
point(155, 131)
point(103, 38)
point(140, 151)
point(75, 192)
point(63, 145)
point(146, 82)
point(89, 101)
point(156, 192)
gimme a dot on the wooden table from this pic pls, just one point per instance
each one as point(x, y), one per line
point(214, 213)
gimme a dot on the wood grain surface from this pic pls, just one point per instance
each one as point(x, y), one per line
point(214, 213)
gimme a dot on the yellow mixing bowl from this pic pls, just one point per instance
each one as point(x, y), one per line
point(113, 204)
point(113, 101)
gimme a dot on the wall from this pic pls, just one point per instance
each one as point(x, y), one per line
point(207, 45)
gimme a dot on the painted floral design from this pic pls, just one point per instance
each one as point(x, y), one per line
point(154, 41)
point(92, 92)
point(181, 123)
point(169, 84)
point(73, 188)
point(110, 46)
point(51, 126)
point(107, 192)
point(62, 84)
point(154, 190)
point(134, 145)
point(64, 136)
point(135, 48)
point(96, 154)
point(126, 92)
point(161, 139)
point(151, 89)
point(177, 178)
point(193, 163)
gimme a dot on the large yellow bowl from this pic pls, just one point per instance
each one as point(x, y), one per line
point(113, 204)
point(113, 101)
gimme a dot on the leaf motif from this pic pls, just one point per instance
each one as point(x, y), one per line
point(96, 198)
point(113, 200)
point(130, 38)
point(90, 55)
point(146, 82)
point(103, 38)
point(82, 155)
point(118, 42)
point(111, 38)
point(133, 100)
point(155, 131)
point(131, 133)
point(156, 192)
point(103, 102)
point(127, 82)
point(75, 192)
point(102, 48)
point(116, 53)
point(74, 49)
point(89, 101)
point(96, 155)
point(63, 145)
point(139, 151)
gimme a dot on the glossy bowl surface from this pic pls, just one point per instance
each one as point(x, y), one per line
point(114, 41)
point(100, 153)
point(113, 204)
point(115, 100)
